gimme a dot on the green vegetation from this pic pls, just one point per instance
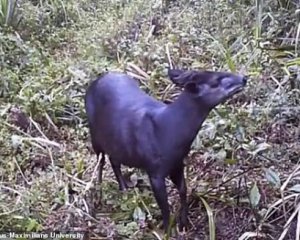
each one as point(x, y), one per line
point(243, 172)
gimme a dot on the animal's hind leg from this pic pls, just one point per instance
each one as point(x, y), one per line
point(101, 166)
point(97, 195)
point(98, 150)
point(117, 170)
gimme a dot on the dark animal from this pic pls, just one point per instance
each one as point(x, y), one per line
point(139, 131)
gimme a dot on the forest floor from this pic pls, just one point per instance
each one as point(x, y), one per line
point(243, 170)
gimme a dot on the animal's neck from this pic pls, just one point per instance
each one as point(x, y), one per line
point(182, 119)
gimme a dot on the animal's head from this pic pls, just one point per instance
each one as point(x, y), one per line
point(210, 88)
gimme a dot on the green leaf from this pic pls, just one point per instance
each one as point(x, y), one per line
point(125, 207)
point(260, 147)
point(68, 167)
point(80, 166)
point(295, 188)
point(230, 161)
point(211, 221)
point(254, 196)
point(9, 14)
point(128, 229)
point(32, 224)
point(138, 214)
point(230, 61)
point(240, 134)
point(221, 155)
point(16, 141)
point(272, 177)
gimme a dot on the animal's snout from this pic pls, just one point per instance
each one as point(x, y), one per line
point(245, 79)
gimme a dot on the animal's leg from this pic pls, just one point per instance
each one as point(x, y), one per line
point(117, 170)
point(160, 193)
point(101, 166)
point(98, 196)
point(98, 150)
point(177, 178)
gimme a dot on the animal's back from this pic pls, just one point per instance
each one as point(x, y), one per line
point(118, 113)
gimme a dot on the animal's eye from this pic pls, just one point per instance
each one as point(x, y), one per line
point(214, 84)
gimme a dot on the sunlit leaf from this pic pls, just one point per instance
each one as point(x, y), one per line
point(254, 195)
point(139, 214)
point(261, 147)
point(211, 221)
point(16, 141)
point(295, 188)
point(32, 224)
point(221, 155)
point(272, 177)
point(230, 161)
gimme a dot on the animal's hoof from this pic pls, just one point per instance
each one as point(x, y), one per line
point(123, 188)
point(183, 224)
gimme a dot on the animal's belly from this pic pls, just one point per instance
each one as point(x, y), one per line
point(122, 154)
point(126, 160)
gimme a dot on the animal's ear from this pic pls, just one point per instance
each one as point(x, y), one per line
point(180, 77)
point(174, 74)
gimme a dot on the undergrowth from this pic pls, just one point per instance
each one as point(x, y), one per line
point(243, 170)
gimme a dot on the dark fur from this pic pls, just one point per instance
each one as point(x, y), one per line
point(139, 131)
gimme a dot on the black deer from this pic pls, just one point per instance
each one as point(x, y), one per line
point(139, 131)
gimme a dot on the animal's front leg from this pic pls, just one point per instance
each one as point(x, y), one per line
point(160, 193)
point(177, 178)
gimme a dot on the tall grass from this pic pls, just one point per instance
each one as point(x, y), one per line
point(9, 13)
